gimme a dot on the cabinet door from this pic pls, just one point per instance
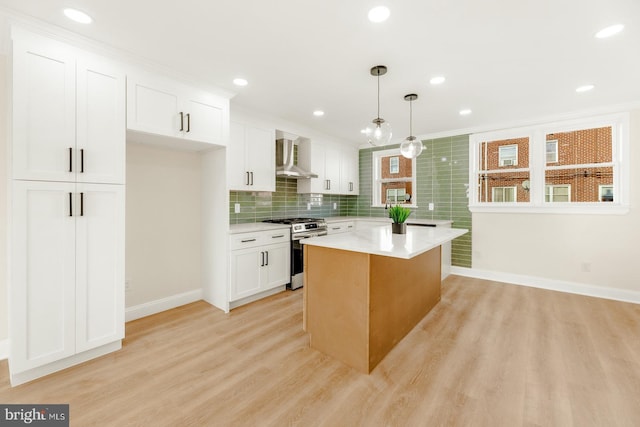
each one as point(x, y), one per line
point(153, 106)
point(99, 265)
point(261, 158)
point(311, 157)
point(277, 269)
point(42, 282)
point(245, 273)
point(101, 138)
point(203, 119)
point(332, 158)
point(237, 173)
point(44, 110)
point(349, 172)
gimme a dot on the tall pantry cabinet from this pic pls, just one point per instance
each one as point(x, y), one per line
point(66, 284)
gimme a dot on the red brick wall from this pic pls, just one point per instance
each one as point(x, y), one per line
point(405, 170)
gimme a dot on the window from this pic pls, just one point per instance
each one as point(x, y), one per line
point(503, 194)
point(495, 172)
point(557, 193)
point(552, 151)
point(394, 179)
point(572, 166)
point(508, 155)
point(394, 164)
point(605, 193)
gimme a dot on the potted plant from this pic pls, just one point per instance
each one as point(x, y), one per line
point(399, 215)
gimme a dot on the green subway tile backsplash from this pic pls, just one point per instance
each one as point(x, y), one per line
point(443, 178)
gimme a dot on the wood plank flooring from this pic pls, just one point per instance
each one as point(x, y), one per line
point(489, 354)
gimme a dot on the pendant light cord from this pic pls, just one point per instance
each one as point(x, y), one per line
point(378, 73)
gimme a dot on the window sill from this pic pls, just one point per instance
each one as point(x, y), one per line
point(582, 209)
point(406, 206)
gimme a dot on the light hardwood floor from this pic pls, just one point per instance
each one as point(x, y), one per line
point(489, 354)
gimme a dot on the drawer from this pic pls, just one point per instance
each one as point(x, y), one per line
point(340, 227)
point(260, 238)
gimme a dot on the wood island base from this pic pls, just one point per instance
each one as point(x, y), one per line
point(358, 306)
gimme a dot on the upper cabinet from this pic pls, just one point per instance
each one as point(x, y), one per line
point(68, 114)
point(336, 166)
point(186, 117)
point(251, 164)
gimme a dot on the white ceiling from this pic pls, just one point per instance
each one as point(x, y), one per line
point(507, 60)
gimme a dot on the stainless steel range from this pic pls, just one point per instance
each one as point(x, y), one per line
point(301, 228)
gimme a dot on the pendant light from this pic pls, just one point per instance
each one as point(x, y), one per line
point(412, 146)
point(378, 132)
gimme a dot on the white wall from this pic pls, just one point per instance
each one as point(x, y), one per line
point(598, 250)
point(163, 223)
point(3, 198)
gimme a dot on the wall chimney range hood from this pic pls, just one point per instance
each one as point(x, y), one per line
point(285, 160)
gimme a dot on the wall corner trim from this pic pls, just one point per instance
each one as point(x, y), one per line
point(4, 349)
point(616, 294)
point(160, 305)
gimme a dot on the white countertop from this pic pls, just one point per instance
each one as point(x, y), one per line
point(410, 220)
point(252, 227)
point(380, 240)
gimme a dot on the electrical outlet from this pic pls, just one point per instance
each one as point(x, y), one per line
point(335, 205)
point(237, 208)
point(127, 285)
point(431, 206)
point(308, 206)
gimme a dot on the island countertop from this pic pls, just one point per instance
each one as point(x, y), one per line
point(380, 240)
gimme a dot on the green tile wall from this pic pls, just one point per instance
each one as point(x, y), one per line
point(286, 203)
point(442, 173)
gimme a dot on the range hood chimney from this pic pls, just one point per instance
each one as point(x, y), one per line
point(284, 161)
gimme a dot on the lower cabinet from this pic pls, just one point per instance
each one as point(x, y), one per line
point(340, 227)
point(259, 262)
point(67, 270)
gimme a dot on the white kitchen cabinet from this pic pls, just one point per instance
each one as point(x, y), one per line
point(67, 170)
point(67, 285)
point(251, 164)
point(333, 164)
point(68, 114)
point(349, 172)
point(259, 261)
point(191, 119)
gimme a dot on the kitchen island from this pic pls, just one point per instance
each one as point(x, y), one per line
point(365, 290)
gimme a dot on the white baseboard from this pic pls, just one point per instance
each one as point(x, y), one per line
point(157, 306)
point(4, 349)
point(616, 294)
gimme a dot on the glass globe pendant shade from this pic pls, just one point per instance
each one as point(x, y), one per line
point(378, 132)
point(411, 147)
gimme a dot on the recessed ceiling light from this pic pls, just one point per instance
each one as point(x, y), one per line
point(584, 88)
point(77, 16)
point(465, 112)
point(318, 113)
point(437, 80)
point(240, 82)
point(609, 31)
point(379, 14)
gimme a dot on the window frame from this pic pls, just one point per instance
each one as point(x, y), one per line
point(538, 166)
point(555, 141)
point(554, 186)
point(501, 160)
point(376, 179)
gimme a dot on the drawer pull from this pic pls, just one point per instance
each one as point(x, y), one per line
point(248, 240)
point(278, 236)
point(335, 228)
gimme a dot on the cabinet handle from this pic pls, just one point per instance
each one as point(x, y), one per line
point(181, 121)
point(247, 178)
point(70, 159)
point(351, 186)
point(188, 122)
point(267, 257)
point(248, 240)
point(329, 181)
point(82, 160)
point(251, 177)
point(335, 228)
point(261, 259)
point(278, 236)
point(81, 204)
point(70, 204)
